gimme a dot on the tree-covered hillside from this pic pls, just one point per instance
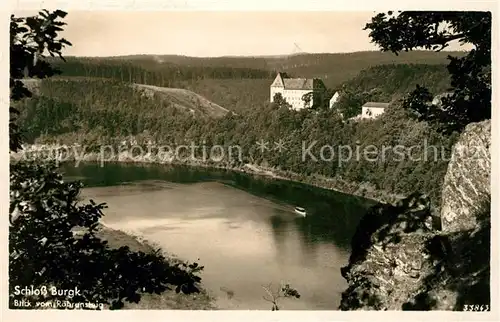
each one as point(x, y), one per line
point(387, 83)
point(89, 109)
point(238, 83)
point(335, 69)
point(395, 81)
point(383, 83)
point(151, 72)
point(165, 70)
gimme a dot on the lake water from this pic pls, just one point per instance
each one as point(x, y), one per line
point(241, 228)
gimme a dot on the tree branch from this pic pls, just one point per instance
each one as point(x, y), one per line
point(265, 298)
point(452, 37)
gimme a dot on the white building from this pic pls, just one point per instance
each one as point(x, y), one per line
point(294, 89)
point(334, 99)
point(371, 110)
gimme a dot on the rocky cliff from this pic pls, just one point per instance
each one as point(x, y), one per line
point(467, 182)
point(402, 258)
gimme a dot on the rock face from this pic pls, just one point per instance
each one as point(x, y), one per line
point(400, 260)
point(466, 186)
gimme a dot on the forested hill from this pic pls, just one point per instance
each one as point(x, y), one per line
point(395, 80)
point(93, 108)
point(165, 70)
point(335, 69)
point(241, 83)
point(387, 83)
point(383, 83)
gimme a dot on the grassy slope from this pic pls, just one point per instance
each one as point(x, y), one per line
point(237, 95)
point(166, 301)
point(186, 100)
point(182, 99)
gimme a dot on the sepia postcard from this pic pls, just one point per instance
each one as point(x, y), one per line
point(265, 161)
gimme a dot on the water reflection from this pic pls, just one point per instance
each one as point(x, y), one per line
point(332, 216)
point(306, 241)
point(278, 226)
point(243, 228)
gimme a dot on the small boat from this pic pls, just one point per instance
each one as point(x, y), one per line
point(300, 211)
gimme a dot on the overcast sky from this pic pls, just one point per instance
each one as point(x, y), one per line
point(215, 33)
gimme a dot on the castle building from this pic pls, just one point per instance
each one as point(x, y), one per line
point(294, 89)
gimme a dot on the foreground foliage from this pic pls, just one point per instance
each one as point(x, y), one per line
point(53, 242)
point(470, 99)
point(52, 236)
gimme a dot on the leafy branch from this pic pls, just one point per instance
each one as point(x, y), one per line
point(470, 75)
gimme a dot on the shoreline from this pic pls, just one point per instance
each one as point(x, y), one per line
point(363, 189)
